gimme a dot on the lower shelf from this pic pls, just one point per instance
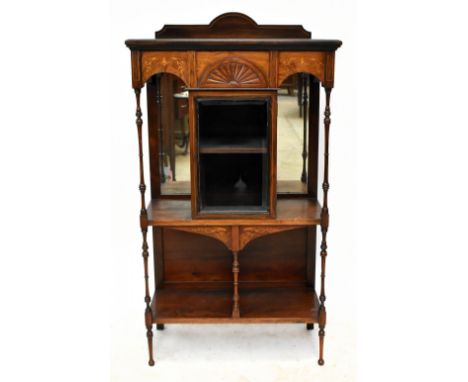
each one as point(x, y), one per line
point(210, 304)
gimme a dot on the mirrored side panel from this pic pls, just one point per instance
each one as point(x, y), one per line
point(173, 135)
point(293, 134)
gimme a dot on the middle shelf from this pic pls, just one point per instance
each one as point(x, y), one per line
point(292, 212)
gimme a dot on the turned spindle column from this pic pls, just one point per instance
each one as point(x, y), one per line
point(160, 128)
point(305, 101)
point(235, 272)
point(235, 248)
point(144, 231)
point(139, 123)
point(324, 228)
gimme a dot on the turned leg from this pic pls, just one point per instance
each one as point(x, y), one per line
point(310, 326)
point(322, 315)
point(144, 230)
point(322, 298)
point(148, 312)
point(235, 299)
point(324, 220)
point(149, 335)
point(160, 326)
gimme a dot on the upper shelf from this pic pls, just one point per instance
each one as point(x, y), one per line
point(233, 31)
point(292, 212)
point(283, 187)
point(235, 44)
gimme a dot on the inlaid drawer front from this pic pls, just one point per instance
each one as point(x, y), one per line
point(232, 69)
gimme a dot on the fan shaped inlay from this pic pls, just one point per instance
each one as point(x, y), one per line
point(234, 73)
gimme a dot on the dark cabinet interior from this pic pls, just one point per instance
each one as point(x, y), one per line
point(242, 188)
point(233, 155)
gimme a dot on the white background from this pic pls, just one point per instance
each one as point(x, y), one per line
point(69, 235)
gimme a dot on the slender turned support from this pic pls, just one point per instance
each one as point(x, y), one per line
point(300, 89)
point(235, 271)
point(305, 101)
point(144, 231)
point(160, 129)
point(324, 227)
point(139, 123)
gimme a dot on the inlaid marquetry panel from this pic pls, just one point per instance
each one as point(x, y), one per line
point(232, 69)
point(177, 63)
point(223, 234)
point(247, 234)
point(296, 62)
point(235, 238)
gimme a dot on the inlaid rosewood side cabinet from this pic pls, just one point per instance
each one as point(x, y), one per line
point(233, 206)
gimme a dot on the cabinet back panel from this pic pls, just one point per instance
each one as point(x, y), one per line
point(191, 257)
point(277, 257)
point(194, 258)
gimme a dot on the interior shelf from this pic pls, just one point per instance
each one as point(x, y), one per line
point(192, 302)
point(179, 304)
point(250, 145)
point(168, 212)
point(182, 187)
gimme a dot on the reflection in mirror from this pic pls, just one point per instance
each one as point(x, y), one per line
point(174, 157)
point(292, 134)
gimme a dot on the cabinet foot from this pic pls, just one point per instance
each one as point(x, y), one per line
point(310, 326)
point(321, 338)
point(160, 326)
point(149, 335)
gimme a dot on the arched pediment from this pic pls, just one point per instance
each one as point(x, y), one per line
point(232, 24)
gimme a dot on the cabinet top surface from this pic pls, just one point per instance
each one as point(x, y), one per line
point(233, 31)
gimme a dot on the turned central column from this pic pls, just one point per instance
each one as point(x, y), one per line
point(235, 298)
point(235, 271)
